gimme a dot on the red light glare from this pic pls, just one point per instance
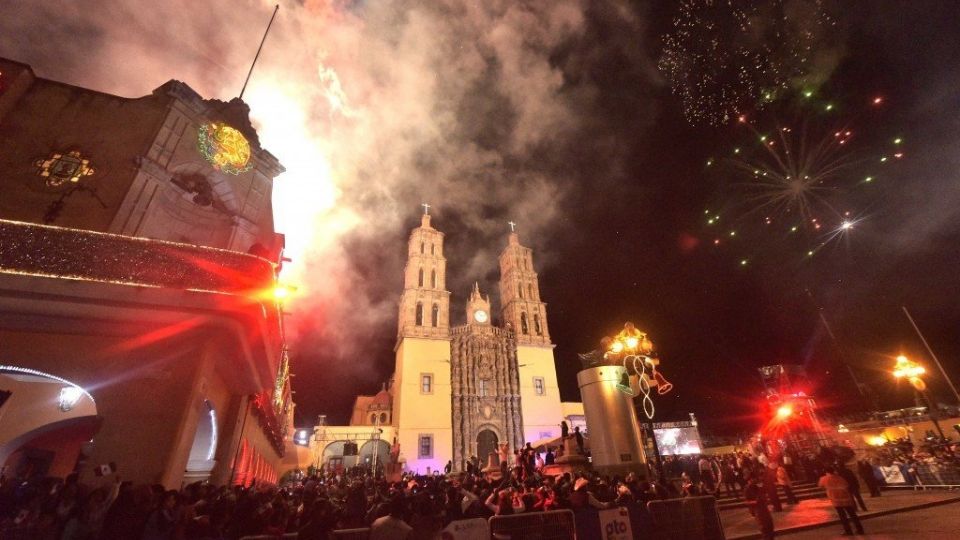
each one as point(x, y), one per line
point(784, 412)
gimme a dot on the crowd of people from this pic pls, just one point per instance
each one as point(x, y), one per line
point(414, 506)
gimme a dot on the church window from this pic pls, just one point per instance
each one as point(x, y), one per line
point(421, 247)
point(425, 449)
point(373, 418)
point(432, 249)
point(419, 317)
point(426, 383)
point(420, 278)
point(383, 418)
point(523, 324)
point(536, 324)
point(433, 279)
point(520, 290)
point(435, 316)
point(530, 291)
point(483, 387)
point(538, 386)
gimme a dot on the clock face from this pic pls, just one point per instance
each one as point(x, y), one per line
point(480, 316)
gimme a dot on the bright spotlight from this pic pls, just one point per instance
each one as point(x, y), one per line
point(68, 398)
point(784, 412)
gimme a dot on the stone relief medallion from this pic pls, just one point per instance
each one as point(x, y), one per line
point(64, 167)
point(487, 411)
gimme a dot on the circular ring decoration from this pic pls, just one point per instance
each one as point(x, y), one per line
point(640, 368)
point(224, 147)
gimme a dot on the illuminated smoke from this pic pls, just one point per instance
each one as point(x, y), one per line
point(488, 110)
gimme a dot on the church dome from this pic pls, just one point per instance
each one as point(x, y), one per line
point(382, 400)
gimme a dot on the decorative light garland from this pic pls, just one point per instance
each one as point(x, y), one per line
point(37, 373)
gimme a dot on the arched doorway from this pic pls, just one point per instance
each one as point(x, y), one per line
point(370, 448)
point(486, 443)
point(47, 421)
point(204, 449)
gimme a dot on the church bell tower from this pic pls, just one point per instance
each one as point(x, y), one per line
point(421, 403)
point(525, 312)
point(520, 294)
point(425, 303)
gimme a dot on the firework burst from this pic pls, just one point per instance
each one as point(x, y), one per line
point(725, 56)
point(798, 175)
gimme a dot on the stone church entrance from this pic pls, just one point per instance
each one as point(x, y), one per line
point(486, 443)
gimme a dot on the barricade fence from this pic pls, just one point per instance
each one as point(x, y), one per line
point(922, 476)
point(553, 525)
point(689, 518)
point(352, 534)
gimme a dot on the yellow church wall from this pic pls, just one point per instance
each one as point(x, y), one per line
point(542, 414)
point(416, 413)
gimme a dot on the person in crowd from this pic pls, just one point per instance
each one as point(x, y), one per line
point(579, 436)
point(769, 480)
point(708, 481)
point(865, 470)
point(730, 478)
point(838, 491)
point(853, 484)
point(756, 498)
point(164, 520)
point(391, 526)
point(784, 481)
point(549, 458)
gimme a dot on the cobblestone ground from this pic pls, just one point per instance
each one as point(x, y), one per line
point(738, 523)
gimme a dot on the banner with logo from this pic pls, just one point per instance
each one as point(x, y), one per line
point(467, 529)
point(615, 524)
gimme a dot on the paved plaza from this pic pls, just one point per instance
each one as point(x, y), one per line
point(739, 524)
point(936, 523)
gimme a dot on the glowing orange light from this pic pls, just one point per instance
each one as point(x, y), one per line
point(742, 119)
point(907, 368)
point(877, 100)
point(616, 347)
point(876, 440)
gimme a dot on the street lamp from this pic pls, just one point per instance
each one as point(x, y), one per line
point(913, 372)
point(635, 350)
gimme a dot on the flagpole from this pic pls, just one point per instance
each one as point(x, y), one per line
point(932, 355)
point(260, 48)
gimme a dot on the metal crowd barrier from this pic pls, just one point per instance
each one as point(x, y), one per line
point(689, 518)
point(352, 534)
point(936, 475)
point(553, 525)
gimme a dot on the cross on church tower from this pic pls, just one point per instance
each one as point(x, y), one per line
point(426, 208)
point(513, 226)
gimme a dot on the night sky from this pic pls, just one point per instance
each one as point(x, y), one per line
point(554, 114)
point(635, 249)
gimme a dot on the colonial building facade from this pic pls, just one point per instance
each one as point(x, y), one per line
point(459, 391)
point(137, 261)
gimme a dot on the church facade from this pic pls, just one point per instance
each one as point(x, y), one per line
point(459, 391)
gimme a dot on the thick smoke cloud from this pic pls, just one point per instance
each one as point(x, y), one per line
point(487, 110)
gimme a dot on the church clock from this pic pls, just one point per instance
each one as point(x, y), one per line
point(480, 316)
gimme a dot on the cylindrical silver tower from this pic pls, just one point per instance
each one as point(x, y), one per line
point(615, 442)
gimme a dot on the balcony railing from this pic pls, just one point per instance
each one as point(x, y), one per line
point(43, 250)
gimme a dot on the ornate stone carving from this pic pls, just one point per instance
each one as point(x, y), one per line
point(486, 389)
